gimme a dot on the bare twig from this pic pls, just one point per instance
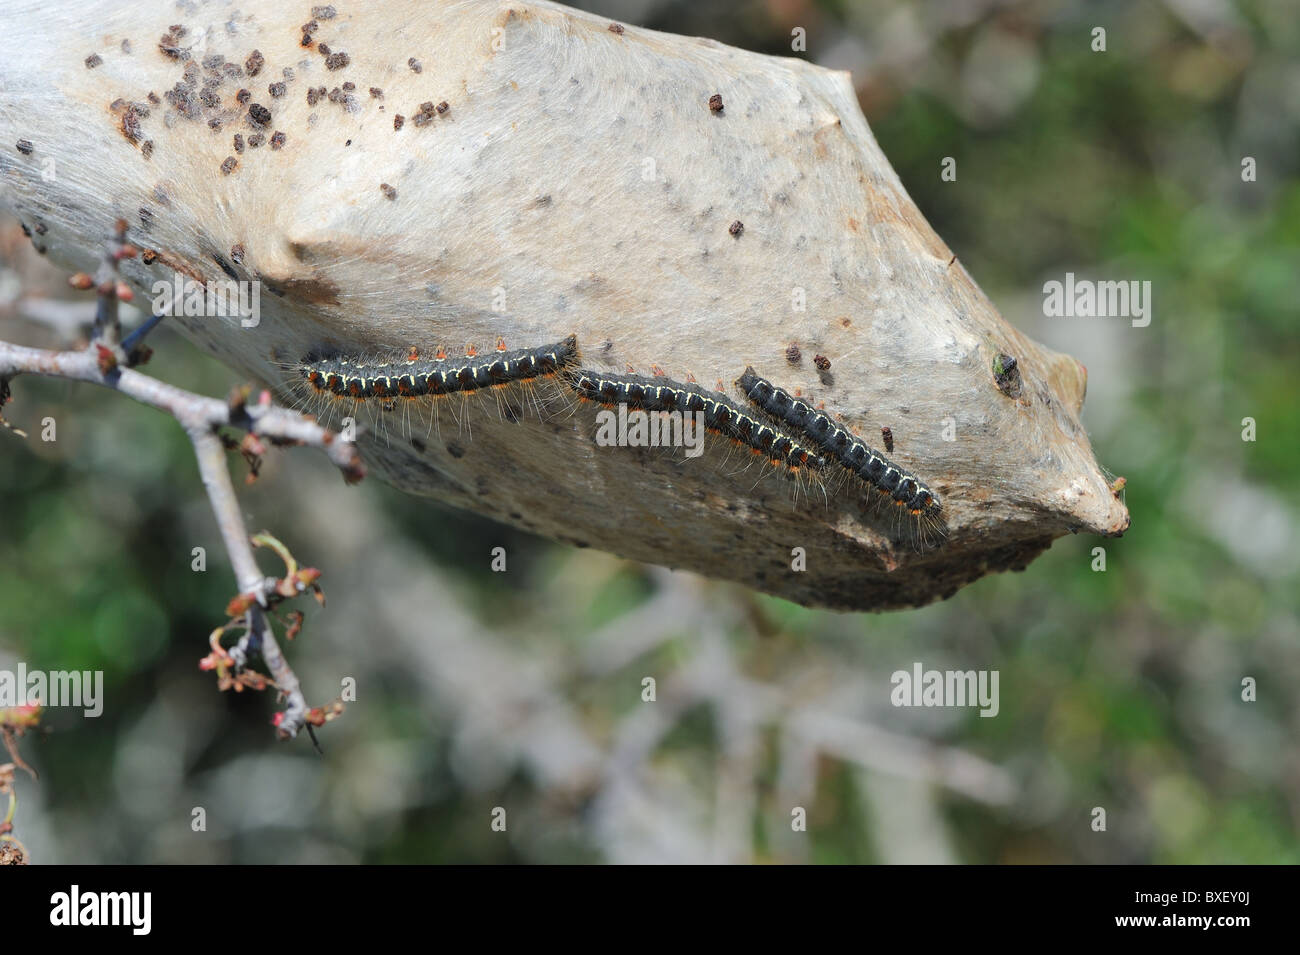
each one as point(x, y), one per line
point(216, 479)
point(195, 413)
point(104, 362)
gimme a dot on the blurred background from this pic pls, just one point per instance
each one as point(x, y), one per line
point(1119, 689)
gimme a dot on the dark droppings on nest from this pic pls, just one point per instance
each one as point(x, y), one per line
point(1006, 373)
point(131, 125)
point(169, 46)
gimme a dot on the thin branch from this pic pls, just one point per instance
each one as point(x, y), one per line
point(259, 637)
point(104, 362)
point(196, 413)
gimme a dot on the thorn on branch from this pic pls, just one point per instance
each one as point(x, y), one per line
point(132, 344)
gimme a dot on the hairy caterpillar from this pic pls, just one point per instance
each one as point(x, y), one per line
point(722, 416)
point(414, 377)
point(838, 444)
point(419, 385)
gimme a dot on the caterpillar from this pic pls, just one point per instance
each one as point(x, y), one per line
point(837, 444)
point(722, 416)
point(390, 379)
point(414, 377)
